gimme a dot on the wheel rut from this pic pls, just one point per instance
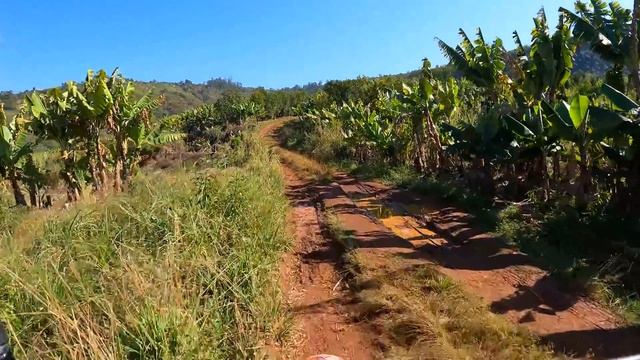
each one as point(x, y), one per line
point(507, 280)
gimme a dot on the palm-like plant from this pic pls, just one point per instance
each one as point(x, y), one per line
point(584, 125)
point(480, 62)
point(427, 104)
point(484, 143)
point(147, 138)
point(607, 28)
point(546, 67)
point(365, 129)
point(619, 128)
point(56, 118)
point(129, 117)
point(95, 106)
point(533, 142)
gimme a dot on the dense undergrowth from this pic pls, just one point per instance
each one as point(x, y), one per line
point(590, 250)
point(180, 266)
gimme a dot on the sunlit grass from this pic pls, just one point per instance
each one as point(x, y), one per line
point(181, 266)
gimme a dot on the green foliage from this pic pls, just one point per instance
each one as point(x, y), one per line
point(208, 126)
point(545, 69)
point(607, 28)
point(480, 62)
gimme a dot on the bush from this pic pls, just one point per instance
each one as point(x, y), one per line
point(324, 141)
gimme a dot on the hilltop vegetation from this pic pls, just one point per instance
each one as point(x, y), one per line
point(185, 95)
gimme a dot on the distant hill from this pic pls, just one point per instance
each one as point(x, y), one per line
point(186, 94)
point(178, 97)
point(588, 62)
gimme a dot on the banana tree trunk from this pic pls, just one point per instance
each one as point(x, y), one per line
point(489, 185)
point(121, 155)
point(633, 185)
point(572, 165)
point(93, 169)
point(15, 186)
point(102, 166)
point(556, 167)
point(34, 197)
point(544, 173)
point(420, 159)
point(117, 181)
point(69, 177)
point(635, 65)
point(435, 140)
point(584, 181)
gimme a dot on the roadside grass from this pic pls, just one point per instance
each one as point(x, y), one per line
point(182, 266)
point(424, 314)
point(305, 166)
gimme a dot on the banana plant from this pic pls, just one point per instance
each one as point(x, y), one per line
point(619, 132)
point(480, 62)
point(247, 109)
point(55, 118)
point(147, 138)
point(14, 148)
point(95, 106)
point(427, 104)
point(545, 68)
point(534, 142)
point(584, 125)
point(127, 119)
point(485, 143)
point(363, 126)
point(607, 29)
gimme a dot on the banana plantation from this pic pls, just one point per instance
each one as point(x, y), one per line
point(362, 210)
point(515, 127)
point(511, 122)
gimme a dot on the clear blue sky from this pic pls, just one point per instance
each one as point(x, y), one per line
point(258, 43)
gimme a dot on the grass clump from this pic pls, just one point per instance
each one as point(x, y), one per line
point(428, 316)
point(182, 266)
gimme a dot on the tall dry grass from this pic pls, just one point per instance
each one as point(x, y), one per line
point(181, 267)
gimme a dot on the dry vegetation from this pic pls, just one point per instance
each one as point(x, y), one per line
point(181, 266)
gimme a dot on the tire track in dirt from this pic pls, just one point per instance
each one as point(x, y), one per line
point(323, 309)
point(507, 280)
